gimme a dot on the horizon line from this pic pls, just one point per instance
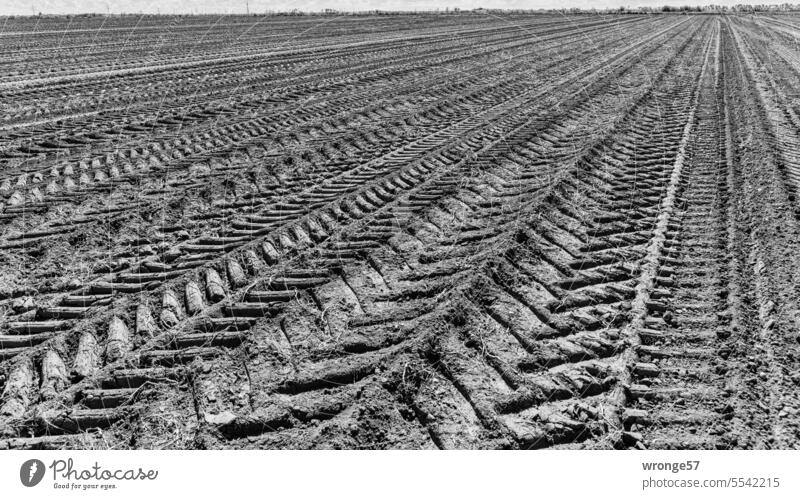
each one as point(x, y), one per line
point(683, 7)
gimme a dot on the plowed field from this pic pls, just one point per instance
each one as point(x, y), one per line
point(409, 231)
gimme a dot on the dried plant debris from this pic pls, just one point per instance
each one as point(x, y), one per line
point(410, 231)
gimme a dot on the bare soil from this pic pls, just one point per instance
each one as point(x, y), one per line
point(412, 231)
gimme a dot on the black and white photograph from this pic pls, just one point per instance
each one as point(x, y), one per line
point(571, 228)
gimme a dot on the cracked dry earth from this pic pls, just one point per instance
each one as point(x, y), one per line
point(410, 231)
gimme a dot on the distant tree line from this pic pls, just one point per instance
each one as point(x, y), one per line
point(784, 7)
point(686, 9)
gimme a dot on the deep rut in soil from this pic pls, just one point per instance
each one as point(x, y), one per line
point(573, 250)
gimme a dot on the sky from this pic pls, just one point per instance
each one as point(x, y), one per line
point(28, 7)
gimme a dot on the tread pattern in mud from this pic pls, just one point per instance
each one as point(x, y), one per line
point(459, 233)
